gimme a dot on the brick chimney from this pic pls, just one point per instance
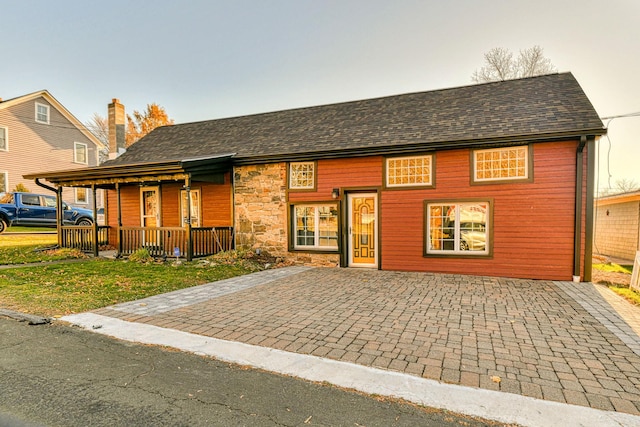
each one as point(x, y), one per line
point(116, 129)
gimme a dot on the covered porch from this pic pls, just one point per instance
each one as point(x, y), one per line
point(172, 209)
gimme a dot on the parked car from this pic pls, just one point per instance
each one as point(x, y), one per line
point(473, 236)
point(100, 216)
point(38, 210)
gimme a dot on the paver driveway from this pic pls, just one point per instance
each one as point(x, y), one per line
point(555, 341)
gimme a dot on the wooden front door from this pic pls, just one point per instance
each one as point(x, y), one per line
point(363, 229)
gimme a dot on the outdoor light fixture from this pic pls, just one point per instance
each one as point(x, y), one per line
point(335, 193)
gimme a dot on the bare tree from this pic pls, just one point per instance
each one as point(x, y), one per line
point(500, 65)
point(99, 127)
point(623, 185)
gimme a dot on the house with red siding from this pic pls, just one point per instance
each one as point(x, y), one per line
point(492, 179)
point(38, 132)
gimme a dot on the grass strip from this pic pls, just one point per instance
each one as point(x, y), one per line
point(60, 289)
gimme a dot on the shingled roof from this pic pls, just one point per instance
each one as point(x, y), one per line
point(550, 106)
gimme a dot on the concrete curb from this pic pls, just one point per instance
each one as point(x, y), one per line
point(22, 317)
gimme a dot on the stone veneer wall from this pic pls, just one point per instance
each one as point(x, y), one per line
point(260, 210)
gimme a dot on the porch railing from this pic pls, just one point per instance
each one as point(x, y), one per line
point(166, 241)
point(159, 241)
point(81, 237)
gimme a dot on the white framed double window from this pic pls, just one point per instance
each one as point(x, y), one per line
point(302, 175)
point(80, 153)
point(458, 228)
point(4, 138)
point(315, 226)
point(81, 195)
point(42, 113)
point(502, 164)
point(412, 171)
point(4, 182)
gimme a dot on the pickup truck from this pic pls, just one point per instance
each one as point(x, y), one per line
point(38, 210)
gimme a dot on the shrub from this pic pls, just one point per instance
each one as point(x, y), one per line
point(141, 256)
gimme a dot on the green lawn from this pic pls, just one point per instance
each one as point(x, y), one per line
point(21, 249)
point(59, 289)
point(615, 268)
point(20, 229)
point(88, 283)
point(621, 289)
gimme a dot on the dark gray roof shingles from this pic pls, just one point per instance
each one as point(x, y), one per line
point(552, 104)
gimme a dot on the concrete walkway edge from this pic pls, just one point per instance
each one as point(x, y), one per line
point(493, 405)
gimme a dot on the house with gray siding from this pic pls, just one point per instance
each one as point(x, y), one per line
point(37, 132)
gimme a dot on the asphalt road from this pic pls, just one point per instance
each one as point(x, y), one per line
point(57, 375)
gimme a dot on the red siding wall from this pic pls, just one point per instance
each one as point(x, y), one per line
point(533, 222)
point(216, 205)
point(341, 173)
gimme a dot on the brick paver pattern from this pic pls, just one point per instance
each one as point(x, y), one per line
point(518, 336)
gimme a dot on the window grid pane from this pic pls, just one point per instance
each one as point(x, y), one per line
point(407, 171)
point(301, 175)
point(42, 113)
point(3, 139)
point(80, 153)
point(501, 163)
point(327, 227)
point(81, 195)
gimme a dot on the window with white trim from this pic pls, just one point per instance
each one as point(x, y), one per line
point(499, 164)
point(302, 175)
point(4, 182)
point(315, 226)
point(80, 153)
point(409, 171)
point(42, 113)
point(194, 195)
point(4, 139)
point(457, 228)
point(81, 195)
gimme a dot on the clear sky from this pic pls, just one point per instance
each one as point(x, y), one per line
point(206, 59)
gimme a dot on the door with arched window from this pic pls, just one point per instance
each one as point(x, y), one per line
point(363, 229)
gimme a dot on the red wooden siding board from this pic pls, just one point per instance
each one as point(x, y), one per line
point(216, 204)
point(533, 222)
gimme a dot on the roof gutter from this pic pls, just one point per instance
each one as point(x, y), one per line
point(43, 185)
point(416, 147)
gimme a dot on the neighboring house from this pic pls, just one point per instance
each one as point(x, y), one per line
point(38, 133)
point(493, 179)
point(617, 229)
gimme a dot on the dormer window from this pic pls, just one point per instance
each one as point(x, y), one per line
point(42, 113)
